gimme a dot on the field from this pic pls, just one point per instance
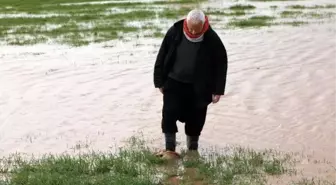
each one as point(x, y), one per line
point(77, 24)
point(136, 164)
point(73, 69)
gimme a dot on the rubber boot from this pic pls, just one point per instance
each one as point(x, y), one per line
point(192, 142)
point(170, 142)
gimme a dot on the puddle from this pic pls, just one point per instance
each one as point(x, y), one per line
point(261, 119)
point(280, 93)
point(117, 10)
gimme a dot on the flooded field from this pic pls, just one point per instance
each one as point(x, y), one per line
point(280, 90)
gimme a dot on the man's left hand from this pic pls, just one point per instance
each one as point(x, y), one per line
point(215, 98)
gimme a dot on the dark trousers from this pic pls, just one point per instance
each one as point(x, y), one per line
point(180, 103)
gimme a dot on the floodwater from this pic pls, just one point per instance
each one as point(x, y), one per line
point(280, 94)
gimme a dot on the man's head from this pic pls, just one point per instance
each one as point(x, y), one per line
point(195, 21)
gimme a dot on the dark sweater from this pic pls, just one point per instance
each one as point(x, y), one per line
point(186, 56)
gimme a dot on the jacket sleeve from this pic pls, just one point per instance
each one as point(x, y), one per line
point(221, 65)
point(159, 63)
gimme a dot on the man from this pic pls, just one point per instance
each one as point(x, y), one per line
point(190, 71)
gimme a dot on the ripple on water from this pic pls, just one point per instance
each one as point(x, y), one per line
point(280, 94)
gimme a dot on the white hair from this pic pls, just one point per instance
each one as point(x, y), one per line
point(195, 16)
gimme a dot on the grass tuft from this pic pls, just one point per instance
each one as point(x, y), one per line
point(312, 7)
point(287, 13)
point(254, 21)
point(295, 23)
point(242, 7)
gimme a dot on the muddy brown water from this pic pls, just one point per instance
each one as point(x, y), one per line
point(280, 94)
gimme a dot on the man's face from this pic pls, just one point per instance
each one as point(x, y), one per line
point(195, 27)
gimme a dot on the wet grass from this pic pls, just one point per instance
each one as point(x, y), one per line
point(331, 6)
point(241, 166)
point(313, 181)
point(35, 21)
point(254, 22)
point(295, 23)
point(70, 31)
point(241, 7)
point(287, 13)
point(273, 0)
point(230, 13)
point(77, 24)
point(137, 165)
point(131, 166)
point(177, 13)
point(307, 15)
point(81, 24)
point(65, 6)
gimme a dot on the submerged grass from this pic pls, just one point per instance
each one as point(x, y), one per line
point(312, 7)
point(55, 6)
point(77, 24)
point(254, 21)
point(242, 7)
point(227, 13)
point(287, 13)
point(308, 15)
point(295, 23)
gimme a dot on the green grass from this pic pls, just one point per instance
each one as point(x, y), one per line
point(55, 6)
point(136, 164)
point(246, 164)
point(287, 13)
point(254, 21)
point(242, 7)
point(176, 13)
point(317, 15)
point(158, 34)
point(295, 23)
point(227, 13)
point(307, 15)
point(232, 12)
point(312, 7)
point(82, 24)
point(132, 165)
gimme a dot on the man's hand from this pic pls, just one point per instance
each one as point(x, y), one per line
point(215, 98)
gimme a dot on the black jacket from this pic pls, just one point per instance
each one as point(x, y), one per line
point(211, 66)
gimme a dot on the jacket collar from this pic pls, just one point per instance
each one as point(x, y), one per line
point(178, 25)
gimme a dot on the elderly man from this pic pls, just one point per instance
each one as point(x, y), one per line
point(190, 71)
